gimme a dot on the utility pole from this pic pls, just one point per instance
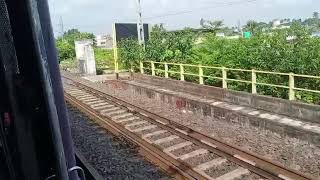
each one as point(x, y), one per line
point(140, 28)
point(240, 28)
point(61, 26)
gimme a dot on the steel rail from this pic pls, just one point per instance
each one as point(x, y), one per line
point(173, 167)
point(253, 162)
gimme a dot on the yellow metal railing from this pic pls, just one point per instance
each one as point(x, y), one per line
point(224, 76)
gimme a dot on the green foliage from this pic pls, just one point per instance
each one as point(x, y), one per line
point(104, 59)
point(162, 46)
point(75, 35)
point(283, 50)
point(66, 46)
point(65, 50)
point(130, 53)
point(68, 64)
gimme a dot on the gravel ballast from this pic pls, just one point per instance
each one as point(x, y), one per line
point(290, 152)
point(112, 157)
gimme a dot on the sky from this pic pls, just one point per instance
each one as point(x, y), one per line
point(97, 16)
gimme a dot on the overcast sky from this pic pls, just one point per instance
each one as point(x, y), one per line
point(97, 16)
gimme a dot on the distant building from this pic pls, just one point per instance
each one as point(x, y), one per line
point(280, 24)
point(220, 34)
point(104, 41)
point(85, 57)
point(276, 23)
point(316, 34)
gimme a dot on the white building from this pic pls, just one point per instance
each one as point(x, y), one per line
point(278, 24)
point(85, 57)
point(104, 41)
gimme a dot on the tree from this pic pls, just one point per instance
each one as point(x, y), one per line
point(65, 50)
point(66, 46)
point(75, 35)
point(131, 52)
point(316, 15)
point(253, 26)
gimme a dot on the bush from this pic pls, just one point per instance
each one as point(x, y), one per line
point(104, 59)
point(263, 51)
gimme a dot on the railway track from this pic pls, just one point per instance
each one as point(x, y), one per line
point(181, 151)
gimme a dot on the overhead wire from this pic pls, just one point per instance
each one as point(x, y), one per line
point(226, 4)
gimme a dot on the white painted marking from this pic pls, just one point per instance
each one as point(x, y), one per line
point(265, 115)
point(127, 119)
point(213, 163)
point(237, 173)
point(177, 146)
point(161, 122)
point(172, 155)
point(100, 104)
point(122, 116)
point(113, 113)
point(103, 107)
point(253, 113)
point(154, 134)
point(312, 128)
point(109, 110)
point(79, 94)
point(284, 177)
point(197, 152)
point(95, 102)
point(208, 143)
point(144, 128)
point(135, 124)
point(166, 139)
point(291, 122)
point(273, 117)
point(182, 131)
point(76, 92)
point(245, 160)
point(90, 100)
point(237, 108)
point(216, 103)
point(143, 114)
point(84, 96)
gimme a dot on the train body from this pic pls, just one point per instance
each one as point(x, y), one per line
point(35, 138)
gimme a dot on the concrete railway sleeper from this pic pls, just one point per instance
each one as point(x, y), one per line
point(193, 155)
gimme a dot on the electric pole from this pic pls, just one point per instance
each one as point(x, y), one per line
point(140, 27)
point(61, 26)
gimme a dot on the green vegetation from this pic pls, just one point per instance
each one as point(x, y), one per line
point(281, 50)
point(66, 46)
point(66, 51)
point(104, 59)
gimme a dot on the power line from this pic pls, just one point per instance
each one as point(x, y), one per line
point(202, 8)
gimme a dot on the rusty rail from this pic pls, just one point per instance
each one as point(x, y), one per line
point(253, 162)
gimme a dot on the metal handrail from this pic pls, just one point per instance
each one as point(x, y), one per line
point(224, 76)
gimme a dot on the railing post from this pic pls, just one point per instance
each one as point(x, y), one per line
point(254, 81)
point(166, 69)
point(181, 72)
point(153, 68)
point(292, 96)
point(224, 78)
point(141, 67)
point(200, 75)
